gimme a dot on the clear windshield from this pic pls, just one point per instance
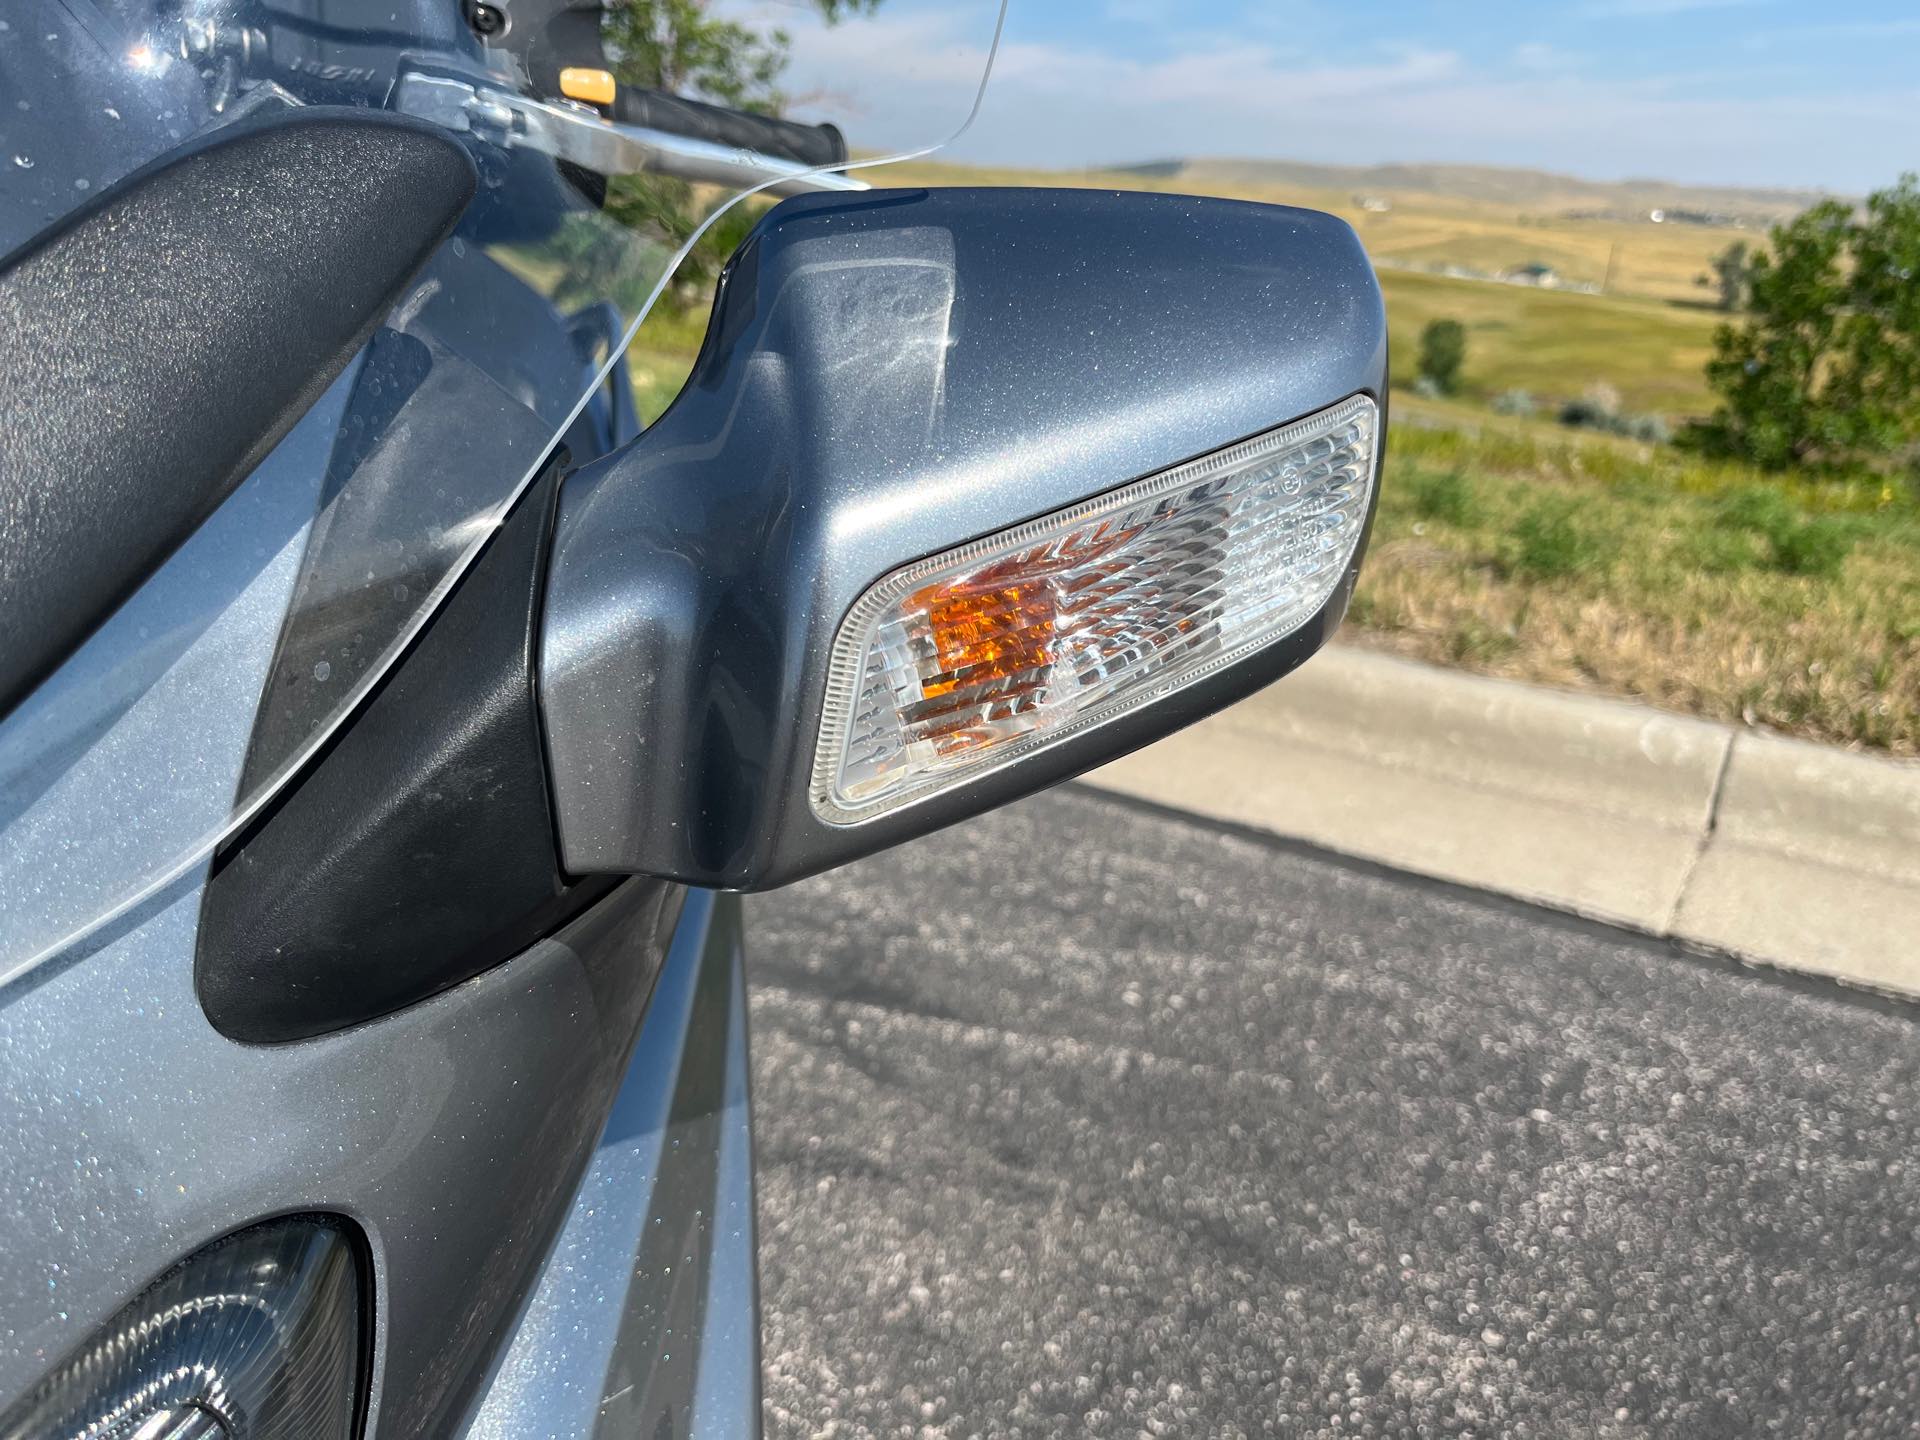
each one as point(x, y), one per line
point(181, 718)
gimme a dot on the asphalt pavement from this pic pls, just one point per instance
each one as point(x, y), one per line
point(1089, 1119)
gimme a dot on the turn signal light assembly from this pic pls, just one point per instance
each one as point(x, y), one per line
point(962, 663)
point(1013, 482)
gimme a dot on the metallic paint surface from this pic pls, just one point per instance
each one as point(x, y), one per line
point(504, 322)
point(451, 1133)
point(644, 1321)
point(128, 755)
point(132, 1132)
point(886, 377)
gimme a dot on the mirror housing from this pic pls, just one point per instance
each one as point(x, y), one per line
point(886, 378)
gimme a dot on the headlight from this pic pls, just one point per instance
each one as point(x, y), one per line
point(256, 1337)
point(962, 663)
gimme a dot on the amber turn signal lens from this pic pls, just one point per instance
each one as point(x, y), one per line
point(589, 87)
point(962, 663)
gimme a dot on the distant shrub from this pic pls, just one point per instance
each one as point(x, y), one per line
point(1446, 496)
point(1550, 543)
point(1515, 402)
point(1758, 508)
point(1599, 409)
point(1603, 397)
point(1719, 551)
point(1816, 546)
point(1598, 406)
point(1580, 413)
point(1443, 351)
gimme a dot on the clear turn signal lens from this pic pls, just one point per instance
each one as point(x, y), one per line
point(256, 1337)
point(957, 665)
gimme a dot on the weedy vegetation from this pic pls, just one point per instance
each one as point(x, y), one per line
point(1648, 572)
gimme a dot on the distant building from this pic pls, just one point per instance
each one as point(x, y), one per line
point(1373, 204)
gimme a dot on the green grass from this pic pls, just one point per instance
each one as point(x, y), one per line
point(1554, 344)
point(1552, 538)
point(1444, 495)
point(1642, 571)
point(660, 357)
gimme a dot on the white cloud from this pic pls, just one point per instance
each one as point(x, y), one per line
point(1541, 58)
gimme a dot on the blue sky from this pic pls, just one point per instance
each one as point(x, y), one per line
point(1759, 92)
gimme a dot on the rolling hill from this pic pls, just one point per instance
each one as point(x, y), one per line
point(1534, 189)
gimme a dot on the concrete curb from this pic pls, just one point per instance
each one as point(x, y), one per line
point(1774, 850)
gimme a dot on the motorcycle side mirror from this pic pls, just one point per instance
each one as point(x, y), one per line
point(969, 491)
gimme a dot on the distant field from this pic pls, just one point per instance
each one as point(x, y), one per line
point(1658, 261)
point(1551, 343)
point(1554, 344)
point(1539, 191)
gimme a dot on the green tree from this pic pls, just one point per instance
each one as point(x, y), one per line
point(1826, 368)
point(1443, 350)
point(679, 46)
point(1730, 275)
point(1878, 379)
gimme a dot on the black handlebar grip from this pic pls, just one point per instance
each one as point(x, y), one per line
point(811, 145)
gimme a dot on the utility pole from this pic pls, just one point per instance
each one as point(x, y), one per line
point(1613, 259)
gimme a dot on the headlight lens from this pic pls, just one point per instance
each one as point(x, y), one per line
point(259, 1335)
point(959, 664)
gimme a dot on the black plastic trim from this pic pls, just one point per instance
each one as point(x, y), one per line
point(821, 144)
point(159, 342)
point(419, 849)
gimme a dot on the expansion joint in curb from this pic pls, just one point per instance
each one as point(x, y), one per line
point(1706, 832)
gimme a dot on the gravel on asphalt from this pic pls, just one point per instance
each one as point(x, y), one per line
point(1087, 1119)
